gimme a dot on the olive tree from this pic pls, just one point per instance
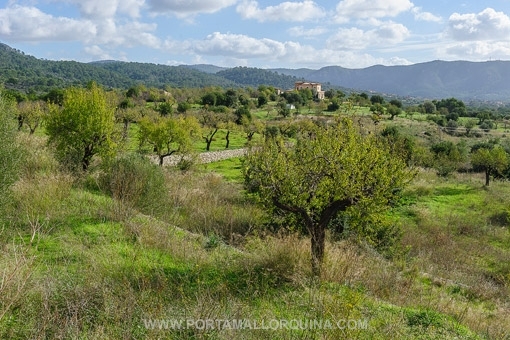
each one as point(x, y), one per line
point(329, 170)
point(84, 126)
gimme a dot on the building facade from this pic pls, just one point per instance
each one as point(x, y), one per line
point(315, 87)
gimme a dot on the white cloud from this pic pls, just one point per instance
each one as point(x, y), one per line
point(97, 52)
point(238, 45)
point(425, 16)
point(97, 9)
point(286, 11)
point(300, 31)
point(476, 50)
point(397, 61)
point(188, 7)
point(388, 33)
point(128, 35)
point(348, 38)
point(19, 23)
point(486, 25)
point(240, 48)
point(365, 9)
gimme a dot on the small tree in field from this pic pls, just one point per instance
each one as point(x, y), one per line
point(491, 161)
point(32, 113)
point(83, 127)
point(168, 135)
point(328, 171)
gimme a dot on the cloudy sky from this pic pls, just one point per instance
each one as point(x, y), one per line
point(259, 33)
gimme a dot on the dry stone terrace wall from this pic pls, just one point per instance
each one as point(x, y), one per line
point(207, 157)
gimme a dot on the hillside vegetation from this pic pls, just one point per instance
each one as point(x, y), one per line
point(99, 242)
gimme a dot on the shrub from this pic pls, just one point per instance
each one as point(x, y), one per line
point(135, 181)
point(486, 125)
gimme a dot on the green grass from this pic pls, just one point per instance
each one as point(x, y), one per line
point(87, 266)
point(237, 140)
point(230, 169)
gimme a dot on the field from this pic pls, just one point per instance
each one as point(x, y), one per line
point(193, 258)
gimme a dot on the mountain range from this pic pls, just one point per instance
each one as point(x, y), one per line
point(436, 79)
point(484, 81)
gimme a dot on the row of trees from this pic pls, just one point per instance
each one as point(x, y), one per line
point(83, 122)
point(165, 132)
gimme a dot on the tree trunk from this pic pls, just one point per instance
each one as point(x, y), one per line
point(87, 156)
point(208, 140)
point(162, 157)
point(20, 122)
point(318, 240)
point(227, 137)
point(317, 229)
point(249, 136)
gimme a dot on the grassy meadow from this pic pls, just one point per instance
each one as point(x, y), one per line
point(128, 249)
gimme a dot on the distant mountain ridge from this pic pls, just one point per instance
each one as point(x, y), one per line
point(486, 81)
point(436, 79)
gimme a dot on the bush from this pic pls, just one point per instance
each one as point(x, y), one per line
point(438, 119)
point(135, 181)
point(487, 125)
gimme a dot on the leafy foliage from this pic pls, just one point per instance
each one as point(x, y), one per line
point(168, 135)
point(330, 170)
point(83, 127)
point(492, 161)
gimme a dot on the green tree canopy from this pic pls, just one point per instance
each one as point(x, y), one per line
point(83, 127)
point(328, 171)
point(168, 135)
point(452, 105)
point(492, 161)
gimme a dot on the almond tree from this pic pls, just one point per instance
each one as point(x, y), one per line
point(83, 127)
point(329, 170)
point(168, 135)
point(491, 161)
point(32, 113)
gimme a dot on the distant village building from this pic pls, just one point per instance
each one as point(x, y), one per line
point(315, 87)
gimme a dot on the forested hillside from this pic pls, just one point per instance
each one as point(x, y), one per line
point(479, 81)
point(162, 75)
point(254, 77)
point(26, 73)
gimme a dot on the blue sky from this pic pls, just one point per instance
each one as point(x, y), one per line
point(259, 33)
